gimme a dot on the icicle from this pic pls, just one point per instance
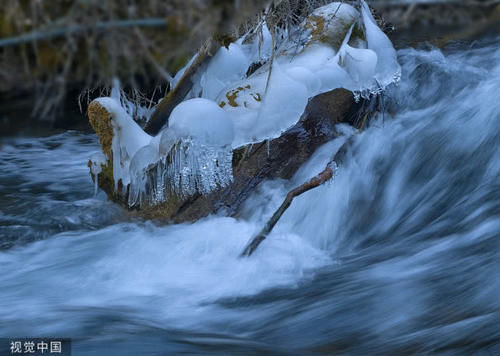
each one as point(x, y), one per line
point(199, 168)
point(190, 167)
point(96, 162)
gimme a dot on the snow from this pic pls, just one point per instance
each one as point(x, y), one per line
point(283, 104)
point(305, 76)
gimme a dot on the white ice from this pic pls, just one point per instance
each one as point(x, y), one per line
point(388, 69)
point(128, 138)
point(202, 120)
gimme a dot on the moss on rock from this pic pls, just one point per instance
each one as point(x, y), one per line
point(100, 120)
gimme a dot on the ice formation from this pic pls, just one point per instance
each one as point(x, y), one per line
point(138, 112)
point(195, 149)
point(388, 69)
point(128, 138)
point(193, 155)
point(202, 120)
point(97, 161)
point(335, 47)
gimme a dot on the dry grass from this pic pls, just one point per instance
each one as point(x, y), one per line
point(142, 57)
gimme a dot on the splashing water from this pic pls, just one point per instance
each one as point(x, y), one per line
point(400, 253)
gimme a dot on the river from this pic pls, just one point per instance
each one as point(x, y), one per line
point(399, 253)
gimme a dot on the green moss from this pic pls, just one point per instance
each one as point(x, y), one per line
point(316, 24)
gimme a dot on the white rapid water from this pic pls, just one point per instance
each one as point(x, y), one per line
point(400, 253)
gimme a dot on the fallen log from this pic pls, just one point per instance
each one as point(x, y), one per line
point(41, 35)
point(277, 158)
point(170, 186)
point(280, 157)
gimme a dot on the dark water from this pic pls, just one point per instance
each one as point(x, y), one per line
point(399, 254)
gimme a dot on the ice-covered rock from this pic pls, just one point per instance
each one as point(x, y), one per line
point(195, 149)
point(141, 191)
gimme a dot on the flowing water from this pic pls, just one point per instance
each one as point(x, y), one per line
point(400, 253)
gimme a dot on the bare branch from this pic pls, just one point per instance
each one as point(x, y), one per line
point(314, 182)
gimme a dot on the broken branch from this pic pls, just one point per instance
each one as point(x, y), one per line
point(314, 182)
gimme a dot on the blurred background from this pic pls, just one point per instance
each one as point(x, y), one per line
point(57, 55)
